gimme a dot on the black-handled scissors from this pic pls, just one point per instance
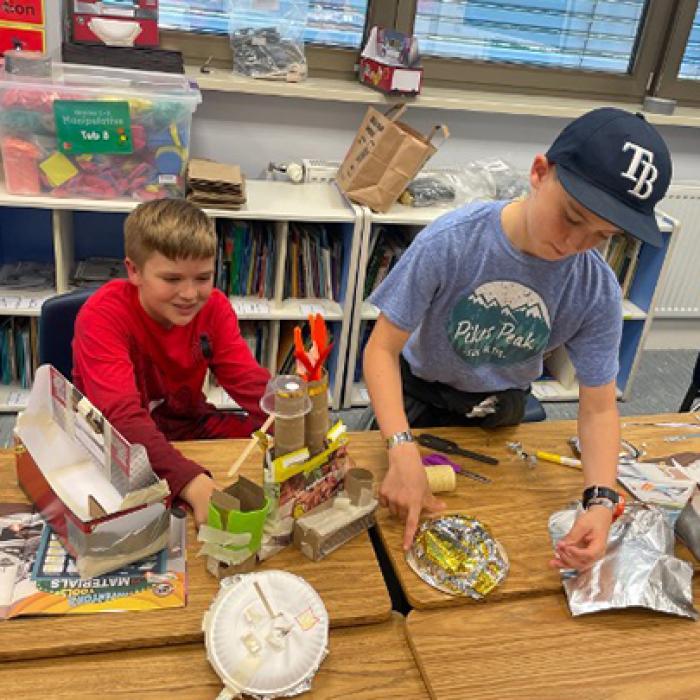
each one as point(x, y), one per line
point(441, 445)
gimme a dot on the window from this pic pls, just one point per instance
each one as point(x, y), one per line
point(329, 22)
point(586, 35)
point(603, 49)
point(690, 65)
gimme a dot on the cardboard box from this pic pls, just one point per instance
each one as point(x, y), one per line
point(389, 62)
point(96, 490)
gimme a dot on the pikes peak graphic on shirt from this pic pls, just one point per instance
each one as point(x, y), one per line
point(501, 322)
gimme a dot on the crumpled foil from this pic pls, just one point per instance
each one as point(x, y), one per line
point(639, 568)
point(457, 555)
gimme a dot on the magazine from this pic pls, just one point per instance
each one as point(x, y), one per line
point(39, 577)
point(665, 481)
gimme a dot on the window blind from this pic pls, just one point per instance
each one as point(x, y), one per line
point(690, 65)
point(595, 35)
point(330, 22)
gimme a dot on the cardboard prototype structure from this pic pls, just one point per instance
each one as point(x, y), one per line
point(234, 528)
point(336, 521)
point(96, 490)
point(308, 461)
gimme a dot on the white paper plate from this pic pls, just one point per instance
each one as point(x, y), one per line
point(238, 615)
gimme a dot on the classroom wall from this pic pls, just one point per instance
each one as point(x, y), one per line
point(252, 130)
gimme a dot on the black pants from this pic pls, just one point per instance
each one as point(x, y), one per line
point(434, 404)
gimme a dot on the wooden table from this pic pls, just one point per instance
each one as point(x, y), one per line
point(517, 504)
point(349, 581)
point(371, 662)
point(534, 649)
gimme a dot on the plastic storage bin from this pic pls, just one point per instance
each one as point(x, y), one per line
point(96, 132)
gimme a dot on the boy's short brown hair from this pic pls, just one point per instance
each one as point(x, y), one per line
point(174, 228)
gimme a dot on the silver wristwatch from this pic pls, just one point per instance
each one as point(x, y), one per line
point(398, 438)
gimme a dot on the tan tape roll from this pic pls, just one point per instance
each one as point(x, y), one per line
point(441, 478)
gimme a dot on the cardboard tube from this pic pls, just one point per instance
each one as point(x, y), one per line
point(317, 423)
point(289, 432)
point(441, 478)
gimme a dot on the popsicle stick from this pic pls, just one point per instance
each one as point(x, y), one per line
point(249, 447)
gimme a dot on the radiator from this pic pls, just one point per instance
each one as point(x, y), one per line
point(679, 294)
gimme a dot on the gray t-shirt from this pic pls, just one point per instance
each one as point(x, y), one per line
point(482, 313)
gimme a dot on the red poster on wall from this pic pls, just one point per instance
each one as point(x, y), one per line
point(22, 11)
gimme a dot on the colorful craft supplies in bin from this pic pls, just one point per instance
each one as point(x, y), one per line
point(96, 132)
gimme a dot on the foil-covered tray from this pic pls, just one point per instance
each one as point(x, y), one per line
point(457, 554)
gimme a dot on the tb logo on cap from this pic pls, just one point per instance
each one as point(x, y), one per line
point(641, 171)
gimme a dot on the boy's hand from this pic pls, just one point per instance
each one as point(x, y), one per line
point(198, 493)
point(586, 541)
point(405, 489)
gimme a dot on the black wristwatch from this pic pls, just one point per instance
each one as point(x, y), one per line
point(600, 495)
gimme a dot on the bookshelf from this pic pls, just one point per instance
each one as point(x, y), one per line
point(65, 231)
point(638, 306)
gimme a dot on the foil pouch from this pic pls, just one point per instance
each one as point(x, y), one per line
point(639, 568)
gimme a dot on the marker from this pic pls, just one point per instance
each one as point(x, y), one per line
point(557, 459)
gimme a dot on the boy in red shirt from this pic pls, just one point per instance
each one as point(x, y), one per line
point(142, 346)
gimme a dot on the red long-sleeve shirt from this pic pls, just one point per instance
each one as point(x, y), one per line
point(147, 379)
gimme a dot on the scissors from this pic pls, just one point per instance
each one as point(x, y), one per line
point(441, 445)
point(435, 459)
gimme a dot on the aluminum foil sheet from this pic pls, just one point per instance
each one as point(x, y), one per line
point(457, 555)
point(639, 568)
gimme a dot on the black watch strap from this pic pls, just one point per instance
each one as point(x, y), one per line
point(599, 492)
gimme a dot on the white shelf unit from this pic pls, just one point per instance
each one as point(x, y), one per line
point(72, 226)
point(637, 307)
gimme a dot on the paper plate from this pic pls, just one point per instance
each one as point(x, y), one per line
point(266, 634)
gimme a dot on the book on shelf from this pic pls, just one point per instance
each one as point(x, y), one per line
point(313, 267)
point(19, 353)
point(622, 254)
point(257, 335)
point(245, 258)
point(385, 248)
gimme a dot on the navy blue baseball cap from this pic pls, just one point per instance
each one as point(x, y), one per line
point(616, 165)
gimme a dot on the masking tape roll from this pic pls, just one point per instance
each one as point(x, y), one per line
point(441, 478)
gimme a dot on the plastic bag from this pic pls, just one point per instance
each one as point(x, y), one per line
point(267, 38)
point(457, 185)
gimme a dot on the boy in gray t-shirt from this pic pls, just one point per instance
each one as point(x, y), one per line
point(484, 291)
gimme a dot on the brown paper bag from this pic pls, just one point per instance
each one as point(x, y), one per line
point(384, 157)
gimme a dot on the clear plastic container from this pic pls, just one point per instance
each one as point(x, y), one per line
point(96, 132)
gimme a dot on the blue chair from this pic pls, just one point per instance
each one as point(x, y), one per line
point(56, 326)
point(692, 398)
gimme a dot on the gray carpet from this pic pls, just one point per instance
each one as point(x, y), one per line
point(659, 386)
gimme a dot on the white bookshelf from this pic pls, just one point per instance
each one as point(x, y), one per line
point(276, 202)
point(637, 308)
